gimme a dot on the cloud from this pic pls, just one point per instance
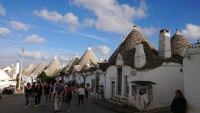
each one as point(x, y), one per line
point(104, 50)
point(44, 13)
point(46, 57)
point(111, 16)
point(192, 31)
point(2, 10)
point(4, 30)
point(35, 38)
point(19, 25)
point(148, 31)
point(87, 22)
point(31, 55)
point(64, 59)
point(70, 18)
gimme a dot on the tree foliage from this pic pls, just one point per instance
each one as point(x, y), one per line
point(45, 77)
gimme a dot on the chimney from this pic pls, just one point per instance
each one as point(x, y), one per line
point(164, 47)
point(140, 57)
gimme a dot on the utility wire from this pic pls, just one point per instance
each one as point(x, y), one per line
point(9, 41)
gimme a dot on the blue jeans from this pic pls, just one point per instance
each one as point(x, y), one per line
point(27, 96)
point(68, 103)
point(45, 98)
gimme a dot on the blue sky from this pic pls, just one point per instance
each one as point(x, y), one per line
point(66, 27)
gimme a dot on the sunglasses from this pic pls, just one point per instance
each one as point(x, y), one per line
point(176, 93)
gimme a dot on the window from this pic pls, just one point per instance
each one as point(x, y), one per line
point(119, 80)
point(126, 85)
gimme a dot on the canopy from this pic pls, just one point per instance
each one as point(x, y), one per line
point(142, 82)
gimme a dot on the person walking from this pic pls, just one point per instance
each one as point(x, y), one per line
point(64, 94)
point(51, 87)
point(86, 92)
point(179, 103)
point(38, 94)
point(47, 92)
point(27, 93)
point(54, 87)
point(59, 90)
point(68, 96)
point(81, 93)
point(32, 92)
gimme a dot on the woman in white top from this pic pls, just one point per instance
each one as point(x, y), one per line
point(81, 93)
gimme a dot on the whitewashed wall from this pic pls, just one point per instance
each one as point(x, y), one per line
point(191, 72)
point(111, 75)
point(168, 78)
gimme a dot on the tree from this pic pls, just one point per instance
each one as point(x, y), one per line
point(46, 78)
point(62, 74)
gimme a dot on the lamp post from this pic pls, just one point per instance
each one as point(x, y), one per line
point(20, 75)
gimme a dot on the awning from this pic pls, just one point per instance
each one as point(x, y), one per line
point(142, 82)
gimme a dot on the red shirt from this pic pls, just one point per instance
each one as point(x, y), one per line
point(68, 90)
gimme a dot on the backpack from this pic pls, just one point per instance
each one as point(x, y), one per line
point(69, 94)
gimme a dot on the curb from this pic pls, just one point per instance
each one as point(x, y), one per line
point(116, 110)
point(122, 111)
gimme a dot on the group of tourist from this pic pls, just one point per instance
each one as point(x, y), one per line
point(62, 93)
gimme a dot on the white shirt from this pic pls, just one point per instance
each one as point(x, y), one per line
point(81, 91)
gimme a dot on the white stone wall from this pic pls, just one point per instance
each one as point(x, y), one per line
point(168, 78)
point(111, 75)
point(191, 67)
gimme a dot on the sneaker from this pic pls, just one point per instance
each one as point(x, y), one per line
point(42, 106)
point(25, 107)
point(46, 105)
point(38, 105)
point(35, 106)
point(68, 111)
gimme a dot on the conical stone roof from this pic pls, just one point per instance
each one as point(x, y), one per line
point(72, 63)
point(29, 69)
point(127, 49)
point(53, 67)
point(179, 44)
point(87, 58)
point(40, 67)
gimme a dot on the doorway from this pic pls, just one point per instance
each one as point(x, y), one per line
point(112, 89)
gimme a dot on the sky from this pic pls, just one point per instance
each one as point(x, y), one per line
point(64, 28)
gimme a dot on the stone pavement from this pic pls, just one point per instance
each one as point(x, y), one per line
point(15, 104)
point(125, 109)
point(106, 104)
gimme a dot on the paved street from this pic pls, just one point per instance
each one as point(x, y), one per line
point(16, 104)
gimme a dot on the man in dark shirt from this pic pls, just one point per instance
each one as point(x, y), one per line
point(59, 90)
point(47, 92)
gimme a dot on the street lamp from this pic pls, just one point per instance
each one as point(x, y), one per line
point(20, 75)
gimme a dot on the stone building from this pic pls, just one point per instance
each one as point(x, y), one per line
point(136, 68)
point(191, 67)
point(40, 67)
point(53, 67)
point(83, 72)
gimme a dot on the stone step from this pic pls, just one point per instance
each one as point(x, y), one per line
point(111, 100)
point(120, 103)
point(116, 99)
point(125, 101)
